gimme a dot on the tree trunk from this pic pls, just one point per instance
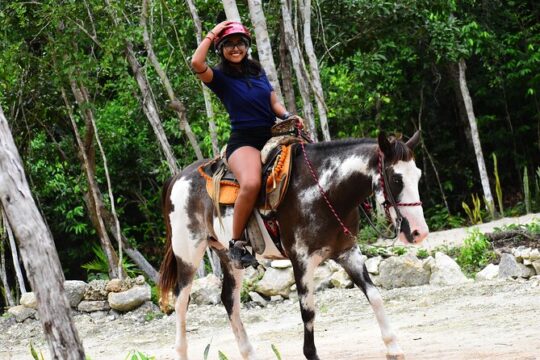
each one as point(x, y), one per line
point(264, 48)
point(231, 10)
point(88, 165)
point(286, 72)
point(38, 252)
point(148, 102)
point(184, 124)
point(205, 90)
point(292, 45)
point(305, 5)
point(464, 89)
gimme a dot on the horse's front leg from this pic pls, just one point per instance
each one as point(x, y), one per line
point(230, 296)
point(353, 263)
point(304, 267)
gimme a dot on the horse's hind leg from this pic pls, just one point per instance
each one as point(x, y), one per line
point(353, 263)
point(230, 296)
point(186, 272)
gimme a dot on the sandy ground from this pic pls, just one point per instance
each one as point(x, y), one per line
point(479, 320)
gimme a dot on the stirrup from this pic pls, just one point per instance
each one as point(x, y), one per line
point(240, 257)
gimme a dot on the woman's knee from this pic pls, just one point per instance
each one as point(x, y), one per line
point(251, 185)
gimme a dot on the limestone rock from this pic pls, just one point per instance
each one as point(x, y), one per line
point(535, 254)
point(341, 280)
point(129, 299)
point(510, 267)
point(206, 290)
point(96, 291)
point(75, 290)
point(536, 266)
point(114, 285)
point(258, 299)
point(490, 272)
point(140, 280)
point(93, 305)
point(281, 264)
point(21, 312)
point(29, 300)
point(276, 282)
point(322, 277)
point(402, 271)
point(446, 271)
point(372, 264)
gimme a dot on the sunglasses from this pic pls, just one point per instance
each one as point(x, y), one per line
point(240, 45)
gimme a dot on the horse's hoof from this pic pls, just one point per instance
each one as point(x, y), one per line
point(395, 357)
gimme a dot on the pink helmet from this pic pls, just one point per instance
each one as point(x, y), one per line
point(234, 28)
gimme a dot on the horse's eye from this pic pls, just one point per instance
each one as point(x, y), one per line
point(396, 179)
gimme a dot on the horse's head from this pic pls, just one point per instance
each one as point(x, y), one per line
point(397, 188)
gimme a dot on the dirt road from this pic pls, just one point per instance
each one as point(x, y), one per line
point(484, 320)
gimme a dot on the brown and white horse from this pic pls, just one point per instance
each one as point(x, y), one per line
point(328, 182)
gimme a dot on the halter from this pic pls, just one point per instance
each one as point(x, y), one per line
point(387, 204)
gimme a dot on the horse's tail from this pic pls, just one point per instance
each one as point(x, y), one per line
point(168, 274)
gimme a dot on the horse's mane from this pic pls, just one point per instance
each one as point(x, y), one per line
point(400, 150)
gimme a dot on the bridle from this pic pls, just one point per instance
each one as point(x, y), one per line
point(389, 200)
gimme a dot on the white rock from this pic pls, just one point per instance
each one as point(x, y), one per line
point(206, 291)
point(446, 271)
point(276, 282)
point(536, 266)
point(281, 264)
point(535, 254)
point(129, 299)
point(321, 277)
point(75, 290)
point(21, 312)
point(29, 300)
point(341, 280)
point(372, 264)
point(332, 265)
point(402, 271)
point(258, 299)
point(428, 263)
point(490, 272)
point(93, 305)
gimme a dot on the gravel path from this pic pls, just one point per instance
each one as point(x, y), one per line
point(478, 320)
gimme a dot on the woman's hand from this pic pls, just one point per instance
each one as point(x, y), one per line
point(219, 27)
point(299, 122)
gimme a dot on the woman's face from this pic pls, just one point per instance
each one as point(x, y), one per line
point(234, 48)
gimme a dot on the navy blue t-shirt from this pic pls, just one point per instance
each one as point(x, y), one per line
point(247, 100)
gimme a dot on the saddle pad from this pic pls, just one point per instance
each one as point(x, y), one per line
point(276, 182)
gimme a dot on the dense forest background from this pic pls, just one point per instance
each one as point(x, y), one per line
point(74, 72)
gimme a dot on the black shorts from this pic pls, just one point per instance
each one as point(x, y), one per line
point(255, 137)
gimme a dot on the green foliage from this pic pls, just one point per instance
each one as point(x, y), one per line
point(422, 254)
point(248, 286)
point(475, 253)
point(399, 250)
point(222, 356)
point(276, 352)
point(474, 214)
point(137, 355)
point(438, 218)
point(206, 351)
point(99, 267)
point(35, 354)
point(498, 188)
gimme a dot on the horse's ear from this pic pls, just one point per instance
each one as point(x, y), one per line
point(384, 144)
point(414, 140)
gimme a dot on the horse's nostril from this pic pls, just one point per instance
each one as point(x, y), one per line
point(415, 233)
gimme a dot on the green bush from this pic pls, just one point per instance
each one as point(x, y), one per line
point(475, 254)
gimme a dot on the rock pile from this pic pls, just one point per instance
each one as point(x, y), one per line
point(97, 295)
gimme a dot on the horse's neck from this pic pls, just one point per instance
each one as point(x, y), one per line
point(347, 169)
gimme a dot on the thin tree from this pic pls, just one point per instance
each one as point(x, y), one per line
point(464, 95)
point(180, 109)
point(305, 6)
point(14, 254)
point(231, 10)
point(286, 72)
point(8, 296)
point(301, 76)
point(264, 47)
point(205, 90)
point(38, 252)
